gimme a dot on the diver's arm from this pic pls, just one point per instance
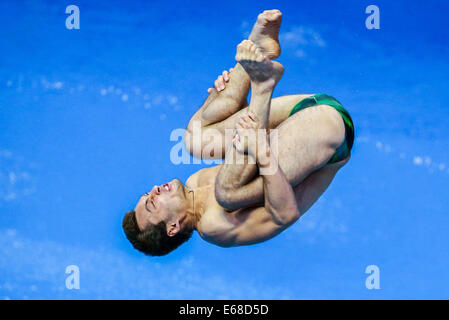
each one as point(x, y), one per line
point(271, 188)
point(280, 199)
point(278, 211)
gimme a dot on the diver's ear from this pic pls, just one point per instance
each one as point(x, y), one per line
point(173, 228)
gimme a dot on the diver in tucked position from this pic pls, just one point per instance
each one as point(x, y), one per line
point(236, 203)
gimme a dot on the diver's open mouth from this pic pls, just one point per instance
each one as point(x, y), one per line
point(166, 187)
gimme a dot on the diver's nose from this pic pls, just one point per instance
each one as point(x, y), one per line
point(156, 190)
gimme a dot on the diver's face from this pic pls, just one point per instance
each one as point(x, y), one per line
point(163, 203)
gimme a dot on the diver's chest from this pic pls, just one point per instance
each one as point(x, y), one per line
point(216, 227)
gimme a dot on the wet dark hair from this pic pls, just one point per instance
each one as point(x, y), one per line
point(153, 240)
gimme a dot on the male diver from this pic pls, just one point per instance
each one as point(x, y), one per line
point(242, 203)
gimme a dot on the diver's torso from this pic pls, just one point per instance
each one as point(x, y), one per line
point(217, 225)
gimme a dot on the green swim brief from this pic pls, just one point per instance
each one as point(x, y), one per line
point(345, 148)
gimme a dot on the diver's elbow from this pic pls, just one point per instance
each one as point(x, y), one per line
point(285, 217)
point(224, 196)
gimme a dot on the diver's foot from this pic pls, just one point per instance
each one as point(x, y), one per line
point(266, 31)
point(260, 69)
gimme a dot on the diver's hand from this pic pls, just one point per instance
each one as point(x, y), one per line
point(250, 138)
point(220, 83)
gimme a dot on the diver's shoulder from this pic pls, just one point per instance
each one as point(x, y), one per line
point(203, 177)
point(192, 181)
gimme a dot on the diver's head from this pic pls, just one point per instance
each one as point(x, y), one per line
point(160, 221)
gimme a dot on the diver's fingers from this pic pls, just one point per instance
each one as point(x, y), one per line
point(253, 116)
point(226, 75)
point(221, 83)
point(217, 85)
point(238, 143)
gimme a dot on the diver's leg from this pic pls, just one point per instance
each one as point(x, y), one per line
point(265, 35)
point(280, 108)
point(306, 142)
point(204, 127)
point(229, 97)
point(225, 100)
point(264, 75)
point(223, 103)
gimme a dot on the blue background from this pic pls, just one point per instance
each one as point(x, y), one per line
point(85, 120)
